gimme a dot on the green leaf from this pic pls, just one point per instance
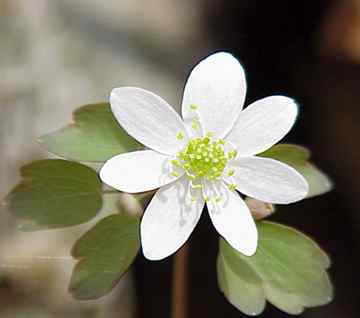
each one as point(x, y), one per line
point(288, 270)
point(55, 194)
point(298, 158)
point(288, 153)
point(95, 136)
point(319, 182)
point(105, 252)
point(244, 291)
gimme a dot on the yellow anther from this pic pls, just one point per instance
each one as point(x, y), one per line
point(194, 124)
point(232, 154)
point(217, 199)
point(175, 163)
point(232, 187)
point(193, 107)
point(174, 174)
point(230, 172)
point(202, 157)
point(179, 135)
point(207, 199)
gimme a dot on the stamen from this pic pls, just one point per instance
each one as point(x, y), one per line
point(179, 135)
point(232, 187)
point(174, 174)
point(232, 154)
point(195, 124)
point(203, 157)
point(230, 172)
point(190, 176)
point(196, 186)
point(175, 163)
point(193, 107)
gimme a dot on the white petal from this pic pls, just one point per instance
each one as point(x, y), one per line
point(217, 86)
point(269, 180)
point(262, 124)
point(137, 171)
point(233, 220)
point(169, 220)
point(148, 118)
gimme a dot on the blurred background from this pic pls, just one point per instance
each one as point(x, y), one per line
point(56, 55)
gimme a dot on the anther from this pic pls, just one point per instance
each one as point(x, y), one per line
point(232, 154)
point(194, 124)
point(175, 163)
point(179, 135)
point(230, 172)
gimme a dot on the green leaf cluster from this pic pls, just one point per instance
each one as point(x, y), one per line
point(288, 270)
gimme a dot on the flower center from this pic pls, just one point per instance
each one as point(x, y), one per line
point(202, 157)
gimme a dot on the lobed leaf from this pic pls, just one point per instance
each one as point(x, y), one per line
point(298, 158)
point(95, 136)
point(288, 270)
point(105, 253)
point(241, 286)
point(55, 194)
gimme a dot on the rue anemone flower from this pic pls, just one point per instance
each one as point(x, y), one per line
point(203, 157)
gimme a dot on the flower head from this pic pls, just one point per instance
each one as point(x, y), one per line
point(203, 157)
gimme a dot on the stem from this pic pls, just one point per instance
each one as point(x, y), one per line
point(179, 302)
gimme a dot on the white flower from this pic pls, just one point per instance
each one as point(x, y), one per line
point(202, 158)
